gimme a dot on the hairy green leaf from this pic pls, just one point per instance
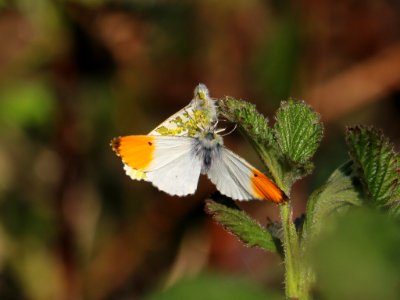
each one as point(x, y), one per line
point(341, 191)
point(241, 225)
point(254, 126)
point(394, 203)
point(248, 118)
point(298, 131)
point(377, 165)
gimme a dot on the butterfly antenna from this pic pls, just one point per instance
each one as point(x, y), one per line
point(223, 119)
point(234, 128)
point(216, 124)
point(214, 128)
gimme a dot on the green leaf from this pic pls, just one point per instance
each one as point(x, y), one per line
point(377, 165)
point(298, 131)
point(341, 191)
point(214, 287)
point(394, 203)
point(254, 126)
point(241, 225)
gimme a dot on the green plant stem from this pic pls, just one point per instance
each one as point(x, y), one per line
point(298, 275)
point(307, 279)
point(291, 250)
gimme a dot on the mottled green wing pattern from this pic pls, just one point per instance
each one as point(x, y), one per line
point(199, 113)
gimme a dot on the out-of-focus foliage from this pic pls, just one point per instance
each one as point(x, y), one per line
point(358, 258)
point(277, 61)
point(76, 73)
point(215, 287)
point(341, 192)
point(28, 104)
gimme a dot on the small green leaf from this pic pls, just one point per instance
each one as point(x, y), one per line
point(298, 131)
point(341, 191)
point(254, 126)
point(377, 165)
point(241, 225)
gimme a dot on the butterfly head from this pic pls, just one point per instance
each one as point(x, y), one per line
point(201, 92)
point(209, 137)
point(204, 103)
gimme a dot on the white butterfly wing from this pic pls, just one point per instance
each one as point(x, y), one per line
point(174, 170)
point(230, 176)
point(167, 162)
point(173, 125)
point(198, 114)
point(237, 179)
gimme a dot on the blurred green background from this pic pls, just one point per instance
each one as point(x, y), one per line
point(74, 74)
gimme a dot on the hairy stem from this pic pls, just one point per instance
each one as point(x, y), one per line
point(291, 250)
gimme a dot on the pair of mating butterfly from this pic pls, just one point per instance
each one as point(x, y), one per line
point(187, 144)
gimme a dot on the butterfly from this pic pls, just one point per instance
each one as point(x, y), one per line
point(201, 112)
point(173, 164)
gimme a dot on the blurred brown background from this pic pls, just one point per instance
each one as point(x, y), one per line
point(74, 74)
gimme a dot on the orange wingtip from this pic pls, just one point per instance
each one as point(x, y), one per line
point(137, 151)
point(265, 189)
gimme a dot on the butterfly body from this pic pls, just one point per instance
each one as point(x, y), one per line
point(207, 148)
